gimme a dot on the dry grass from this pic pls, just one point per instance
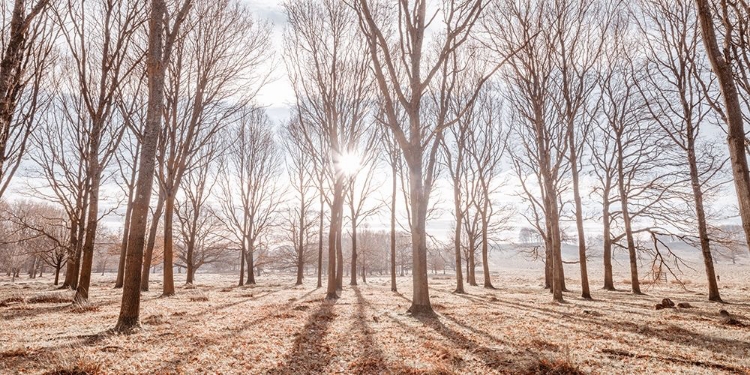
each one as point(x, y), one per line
point(283, 329)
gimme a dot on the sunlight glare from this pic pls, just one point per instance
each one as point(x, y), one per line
point(348, 164)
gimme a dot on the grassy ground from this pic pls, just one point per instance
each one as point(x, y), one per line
point(276, 328)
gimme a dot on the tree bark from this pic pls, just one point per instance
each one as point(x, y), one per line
point(485, 247)
point(82, 291)
point(354, 251)
point(635, 283)
point(148, 256)
point(156, 61)
point(735, 127)
point(393, 231)
point(585, 291)
point(336, 211)
point(320, 243)
point(708, 261)
point(168, 282)
point(609, 283)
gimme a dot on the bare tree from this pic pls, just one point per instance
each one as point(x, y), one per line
point(332, 83)
point(486, 145)
point(200, 232)
point(301, 173)
point(42, 229)
point(159, 54)
point(101, 57)
point(541, 141)
point(678, 74)
point(250, 189)
point(721, 61)
point(216, 61)
point(27, 53)
point(403, 73)
point(362, 184)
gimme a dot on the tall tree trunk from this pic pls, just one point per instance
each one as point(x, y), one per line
point(457, 244)
point(190, 263)
point(585, 291)
point(57, 275)
point(354, 251)
point(609, 283)
point(548, 259)
point(148, 256)
point(708, 261)
point(735, 127)
point(250, 258)
point(301, 244)
point(124, 244)
point(70, 264)
point(334, 227)
point(340, 254)
point(126, 227)
point(485, 247)
point(627, 223)
point(472, 265)
point(320, 243)
point(420, 303)
point(168, 283)
point(242, 264)
point(82, 291)
point(156, 61)
point(79, 240)
point(393, 232)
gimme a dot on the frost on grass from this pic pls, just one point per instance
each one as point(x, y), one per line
point(276, 328)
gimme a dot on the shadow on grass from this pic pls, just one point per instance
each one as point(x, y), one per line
point(309, 355)
point(665, 332)
point(371, 361)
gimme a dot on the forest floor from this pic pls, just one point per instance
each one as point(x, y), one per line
point(276, 328)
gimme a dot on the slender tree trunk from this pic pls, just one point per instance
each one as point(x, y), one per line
point(190, 263)
point(364, 269)
point(354, 251)
point(242, 265)
point(82, 291)
point(609, 283)
point(393, 232)
point(713, 287)
point(126, 228)
point(459, 223)
point(168, 284)
point(340, 255)
point(420, 303)
point(548, 260)
point(485, 248)
point(131, 293)
point(735, 124)
point(320, 243)
point(301, 248)
point(626, 221)
point(79, 240)
point(124, 245)
point(71, 254)
point(472, 266)
point(148, 257)
point(336, 211)
point(251, 262)
point(57, 275)
point(585, 291)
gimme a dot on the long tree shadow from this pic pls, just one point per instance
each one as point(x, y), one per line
point(372, 360)
point(669, 333)
point(492, 358)
point(309, 355)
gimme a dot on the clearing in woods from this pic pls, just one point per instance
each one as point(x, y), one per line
point(276, 328)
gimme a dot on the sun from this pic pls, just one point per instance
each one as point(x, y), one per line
point(348, 164)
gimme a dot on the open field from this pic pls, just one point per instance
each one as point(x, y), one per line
point(276, 328)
